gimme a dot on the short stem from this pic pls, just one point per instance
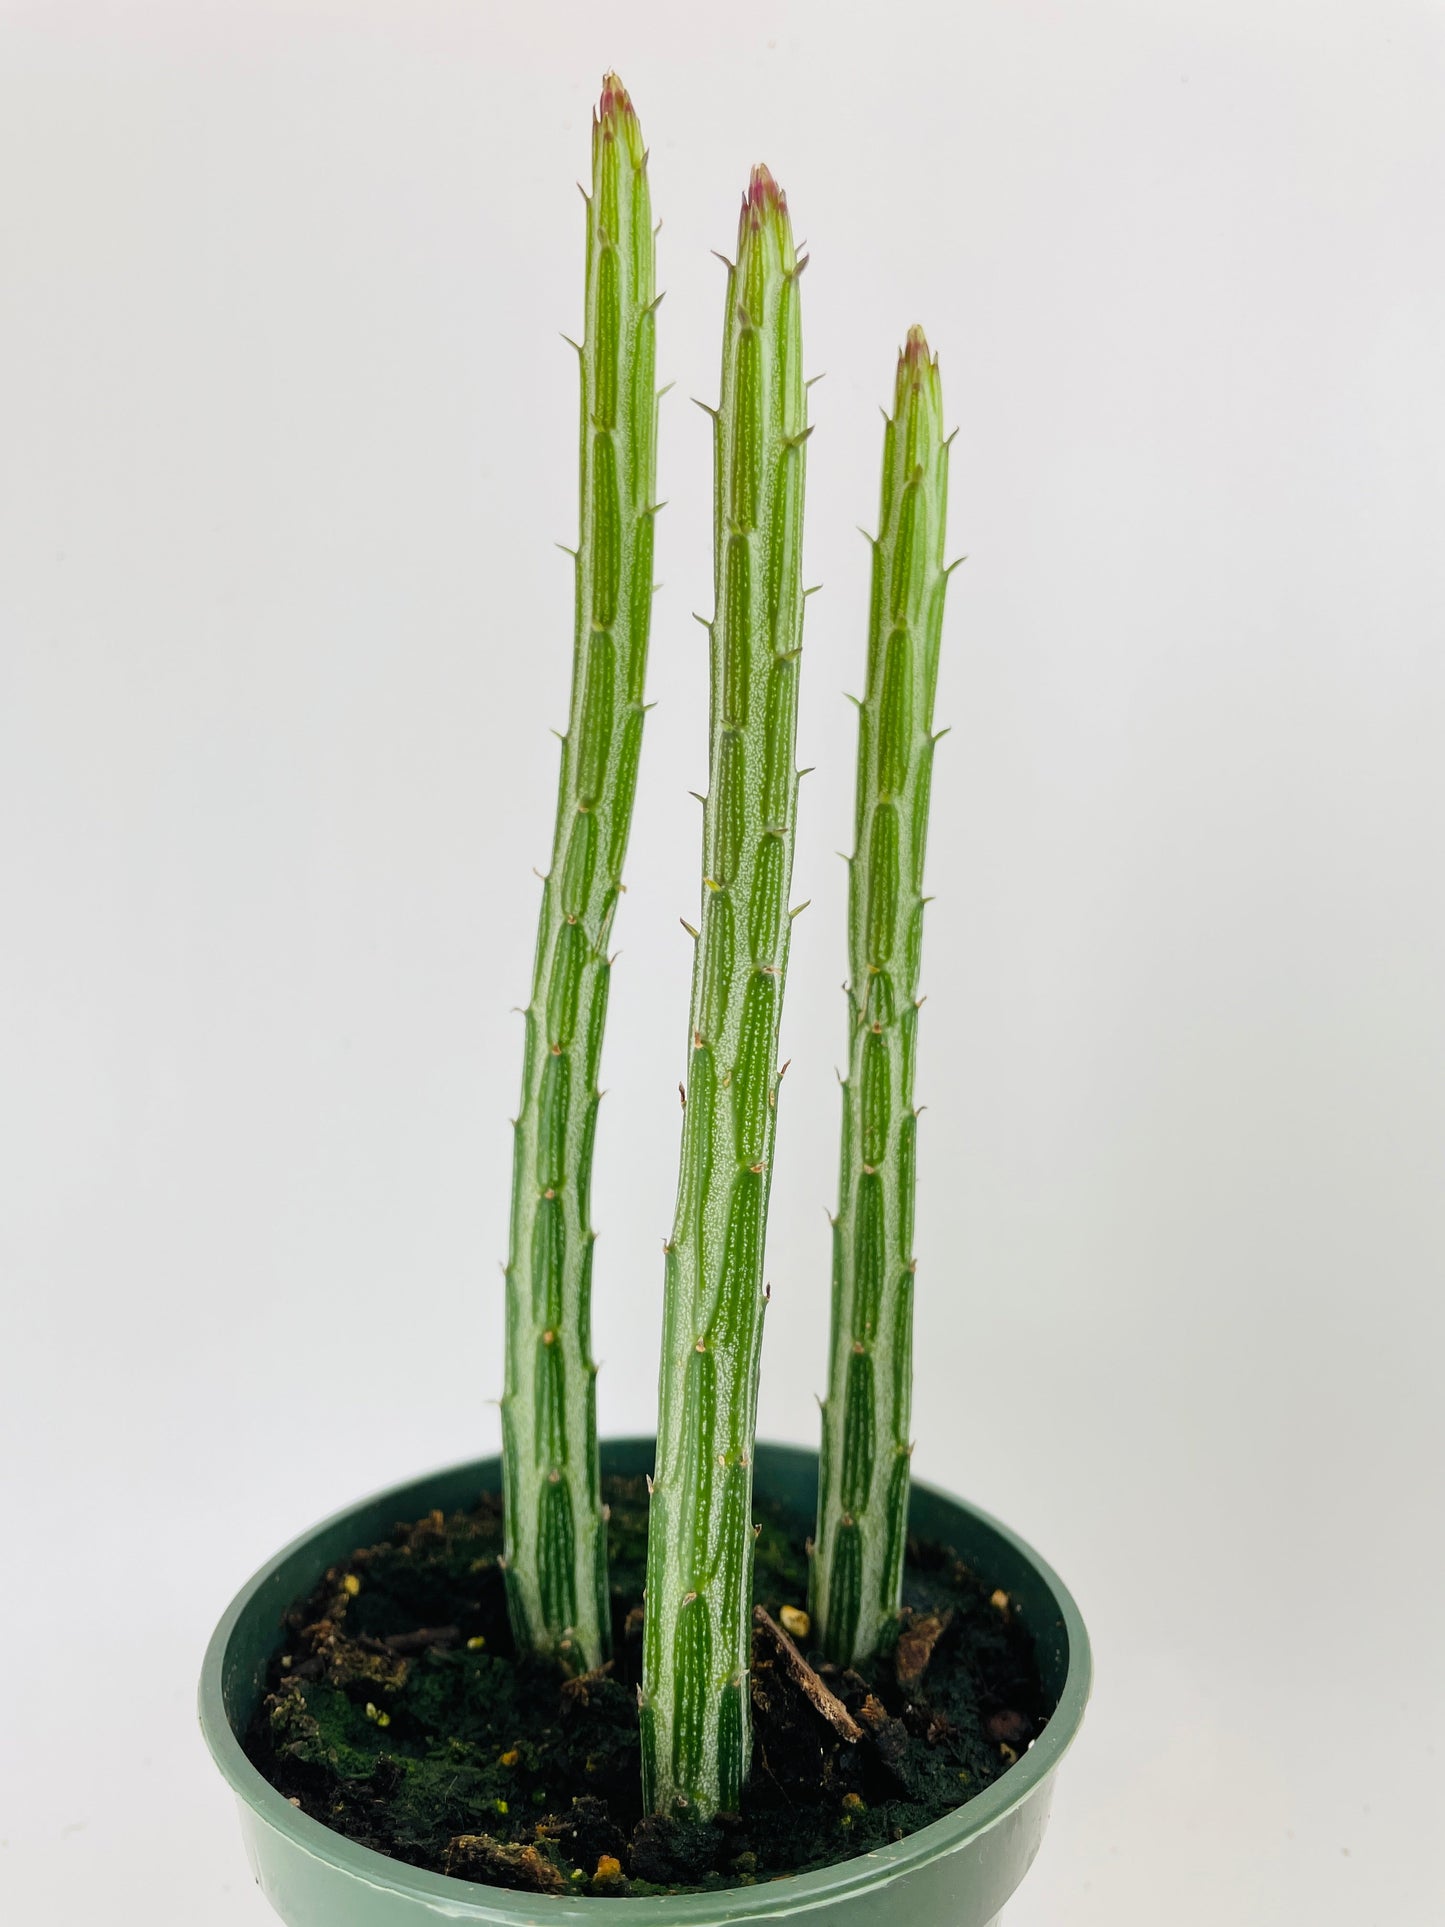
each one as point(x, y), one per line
point(863, 1477)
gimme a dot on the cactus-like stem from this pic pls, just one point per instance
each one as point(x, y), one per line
point(863, 1477)
point(556, 1548)
point(695, 1712)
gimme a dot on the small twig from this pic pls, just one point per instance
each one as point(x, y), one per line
point(579, 1685)
point(422, 1638)
point(827, 1704)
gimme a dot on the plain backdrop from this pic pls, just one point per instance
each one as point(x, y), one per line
point(286, 437)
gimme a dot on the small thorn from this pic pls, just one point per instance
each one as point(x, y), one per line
point(694, 934)
point(796, 441)
point(707, 408)
point(812, 380)
point(682, 1093)
point(731, 266)
point(654, 508)
point(868, 536)
point(813, 591)
point(957, 563)
point(565, 550)
point(585, 195)
point(807, 900)
point(703, 620)
point(784, 1071)
point(573, 344)
point(666, 388)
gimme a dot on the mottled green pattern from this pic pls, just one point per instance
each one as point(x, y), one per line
point(555, 1533)
point(863, 1478)
point(695, 1716)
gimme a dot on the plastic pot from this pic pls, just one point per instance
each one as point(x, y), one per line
point(958, 1872)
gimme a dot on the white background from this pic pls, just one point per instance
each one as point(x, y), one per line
point(286, 436)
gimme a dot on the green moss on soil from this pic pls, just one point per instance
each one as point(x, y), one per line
point(401, 1715)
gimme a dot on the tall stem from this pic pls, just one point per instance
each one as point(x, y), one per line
point(695, 1713)
point(556, 1547)
point(863, 1478)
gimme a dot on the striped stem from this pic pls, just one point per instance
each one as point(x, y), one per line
point(863, 1476)
point(695, 1713)
point(556, 1547)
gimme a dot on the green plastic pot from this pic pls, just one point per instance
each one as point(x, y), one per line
point(956, 1873)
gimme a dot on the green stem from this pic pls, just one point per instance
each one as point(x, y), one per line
point(556, 1547)
point(695, 1714)
point(863, 1477)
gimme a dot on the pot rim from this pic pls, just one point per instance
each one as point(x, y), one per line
point(471, 1901)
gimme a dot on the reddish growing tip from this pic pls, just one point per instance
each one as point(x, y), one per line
point(615, 99)
point(917, 367)
point(764, 196)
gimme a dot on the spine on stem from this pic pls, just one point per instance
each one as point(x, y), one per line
point(696, 1642)
point(862, 1523)
point(556, 1546)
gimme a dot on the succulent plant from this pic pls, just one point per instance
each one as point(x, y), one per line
point(696, 1640)
point(864, 1470)
point(556, 1552)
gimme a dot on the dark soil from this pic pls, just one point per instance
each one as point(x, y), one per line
point(401, 1715)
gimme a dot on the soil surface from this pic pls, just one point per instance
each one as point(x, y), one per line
point(401, 1715)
